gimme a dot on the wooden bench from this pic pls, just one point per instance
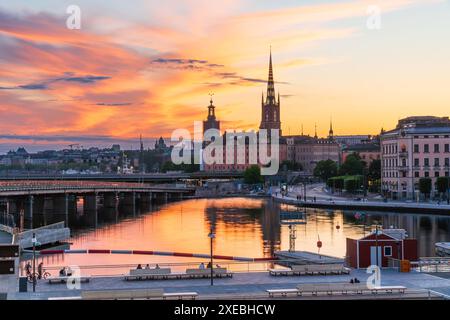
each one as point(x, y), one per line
point(148, 274)
point(122, 294)
point(389, 289)
point(206, 273)
point(64, 279)
point(180, 295)
point(282, 292)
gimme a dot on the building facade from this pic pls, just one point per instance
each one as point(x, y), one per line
point(308, 151)
point(368, 152)
point(419, 147)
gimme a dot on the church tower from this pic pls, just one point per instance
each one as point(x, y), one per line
point(270, 108)
point(211, 121)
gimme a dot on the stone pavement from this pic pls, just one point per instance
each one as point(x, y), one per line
point(241, 285)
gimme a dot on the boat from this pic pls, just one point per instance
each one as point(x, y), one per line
point(442, 249)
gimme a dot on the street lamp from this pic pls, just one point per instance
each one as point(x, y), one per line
point(448, 183)
point(34, 241)
point(211, 236)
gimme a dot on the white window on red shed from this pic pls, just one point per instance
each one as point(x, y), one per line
point(388, 251)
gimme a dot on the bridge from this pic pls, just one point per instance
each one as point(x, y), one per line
point(146, 178)
point(27, 204)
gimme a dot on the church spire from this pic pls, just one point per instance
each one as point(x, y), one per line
point(331, 133)
point(315, 131)
point(270, 83)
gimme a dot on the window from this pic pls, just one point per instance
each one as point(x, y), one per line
point(436, 174)
point(436, 162)
point(416, 162)
point(388, 251)
point(426, 162)
point(416, 174)
point(446, 147)
point(447, 162)
point(426, 148)
point(436, 148)
point(427, 174)
point(416, 148)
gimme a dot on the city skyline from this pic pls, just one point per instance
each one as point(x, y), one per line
point(123, 74)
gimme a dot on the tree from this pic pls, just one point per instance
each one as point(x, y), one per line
point(375, 170)
point(291, 165)
point(326, 169)
point(442, 184)
point(352, 165)
point(425, 186)
point(336, 183)
point(253, 175)
point(352, 183)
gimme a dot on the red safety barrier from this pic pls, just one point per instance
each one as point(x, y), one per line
point(143, 252)
point(99, 251)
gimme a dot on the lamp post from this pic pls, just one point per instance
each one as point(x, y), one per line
point(211, 236)
point(448, 183)
point(376, 244)
point(34, 240)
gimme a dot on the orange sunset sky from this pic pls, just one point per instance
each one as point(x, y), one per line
point(147, 67)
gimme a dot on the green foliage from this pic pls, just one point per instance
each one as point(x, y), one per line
point(374, 170)
point(336, 183)
point(442, 184)
point(170, 166)
point(349, 183)
point(253, 175)
point(352, 183)
point(353, 165)
point(291, 165)
point(326, 169)
point(425, 185)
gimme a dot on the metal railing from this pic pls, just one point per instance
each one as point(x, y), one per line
point(432, 264)
point(29, 186)
point(121, 269)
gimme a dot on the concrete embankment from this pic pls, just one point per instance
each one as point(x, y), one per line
point(428, 208)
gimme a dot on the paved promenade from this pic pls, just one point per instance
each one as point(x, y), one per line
point(242, 285)
point(375, 205)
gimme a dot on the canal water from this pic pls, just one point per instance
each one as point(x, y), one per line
point(243, 227)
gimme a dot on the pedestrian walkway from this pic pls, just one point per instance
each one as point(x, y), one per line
point(242, 284)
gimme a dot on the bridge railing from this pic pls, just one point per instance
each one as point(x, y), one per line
point(79, 185)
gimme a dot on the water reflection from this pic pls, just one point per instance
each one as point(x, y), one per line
point(243, 227)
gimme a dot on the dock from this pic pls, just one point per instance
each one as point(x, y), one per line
point(306, 257)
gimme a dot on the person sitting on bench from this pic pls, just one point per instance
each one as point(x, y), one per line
point(62, 272)
point(147, 266)
point(209, 266)
point(69, 272)
point(139, 267)
point(202, 266)
point(157, 266)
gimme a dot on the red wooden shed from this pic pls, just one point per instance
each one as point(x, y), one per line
point(391, 243)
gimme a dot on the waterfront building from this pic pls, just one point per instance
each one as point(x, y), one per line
point(237, 159)
point(349, 140)
point(368, 152)
point(391, 243)
point(419, 147)
point(308, 151)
